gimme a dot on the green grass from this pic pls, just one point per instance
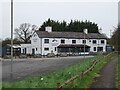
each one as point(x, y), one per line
point(118, 74)
point(89, 78)
point(0, 85)
point(60, 76)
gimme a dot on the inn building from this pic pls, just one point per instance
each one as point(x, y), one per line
point(48, 41)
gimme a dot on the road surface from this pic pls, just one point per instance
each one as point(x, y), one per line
point(35, 66)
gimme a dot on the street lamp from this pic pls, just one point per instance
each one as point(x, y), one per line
point(85, 32)
point(98, 48)
point(11, 73)
point(84, 44)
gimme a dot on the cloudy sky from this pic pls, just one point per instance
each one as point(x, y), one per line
point(104, 13)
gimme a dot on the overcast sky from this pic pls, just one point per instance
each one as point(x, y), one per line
point(105, 14)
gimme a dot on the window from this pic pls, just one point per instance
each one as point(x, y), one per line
point(62, 41)
point(23, 50)
point(36, 49)
point(55, 48)
point(84, 41)
point(46, 49)
point(100, 48)
point(46, 40)
point(94, 48)
point(102, 42)
point(94, 42)
point(73, 41)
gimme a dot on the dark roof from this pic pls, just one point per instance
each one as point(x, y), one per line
point(72, 45)
point(76, 35)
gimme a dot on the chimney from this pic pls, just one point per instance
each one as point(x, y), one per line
point(48, 29)
point(85, 31)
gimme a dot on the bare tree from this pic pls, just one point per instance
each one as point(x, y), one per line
point(115, 40)
point(25, 32)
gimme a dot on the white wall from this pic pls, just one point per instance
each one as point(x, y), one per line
point(28, 48)
point(52, 46)
point(38, 43)
point(98, 44)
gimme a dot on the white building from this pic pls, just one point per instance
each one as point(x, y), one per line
point(44, 42)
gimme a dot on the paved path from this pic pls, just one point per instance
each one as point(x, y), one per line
point(32, 67)
point(107, 78)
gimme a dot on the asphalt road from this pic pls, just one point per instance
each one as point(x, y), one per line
point(23, 68)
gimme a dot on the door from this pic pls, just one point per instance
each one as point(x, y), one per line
point(33, 51)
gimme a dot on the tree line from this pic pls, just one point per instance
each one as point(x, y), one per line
point(26, 30)
point(72, 26)
point(115, 39)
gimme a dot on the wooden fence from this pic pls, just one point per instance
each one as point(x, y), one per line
point(81, 75)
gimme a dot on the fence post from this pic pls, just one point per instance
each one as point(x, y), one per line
point(81, 76)
point(58, 86)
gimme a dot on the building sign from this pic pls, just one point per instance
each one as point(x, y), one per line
point(54, 42)
point(35, 40)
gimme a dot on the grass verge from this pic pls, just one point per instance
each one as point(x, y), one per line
point(118, 73)
point(89, 78)
point(60, 76)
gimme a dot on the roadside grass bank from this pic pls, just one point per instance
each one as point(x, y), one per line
point(60, 76)
point(118, 73)
point(1, 86)
point(91, 77)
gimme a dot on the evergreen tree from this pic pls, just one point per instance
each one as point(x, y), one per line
point(73, 26)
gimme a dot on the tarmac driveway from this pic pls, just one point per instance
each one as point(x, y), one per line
point(35, 66)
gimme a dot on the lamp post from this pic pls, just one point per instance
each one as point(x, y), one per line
point(84, 43)
point(98, 48)
point(85, 32)
point(11, 73)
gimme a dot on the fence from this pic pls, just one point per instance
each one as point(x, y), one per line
point(81, 75)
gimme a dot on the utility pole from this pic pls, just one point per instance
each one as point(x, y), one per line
point(11, 73)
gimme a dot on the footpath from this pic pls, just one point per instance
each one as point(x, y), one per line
point(107, 76)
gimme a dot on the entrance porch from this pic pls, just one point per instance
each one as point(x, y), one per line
point(74, 49)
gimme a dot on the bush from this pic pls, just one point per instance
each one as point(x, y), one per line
point(50, 55)
point(7, 57)
point(37, 56)
point(63, 54)
point(23, 56)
